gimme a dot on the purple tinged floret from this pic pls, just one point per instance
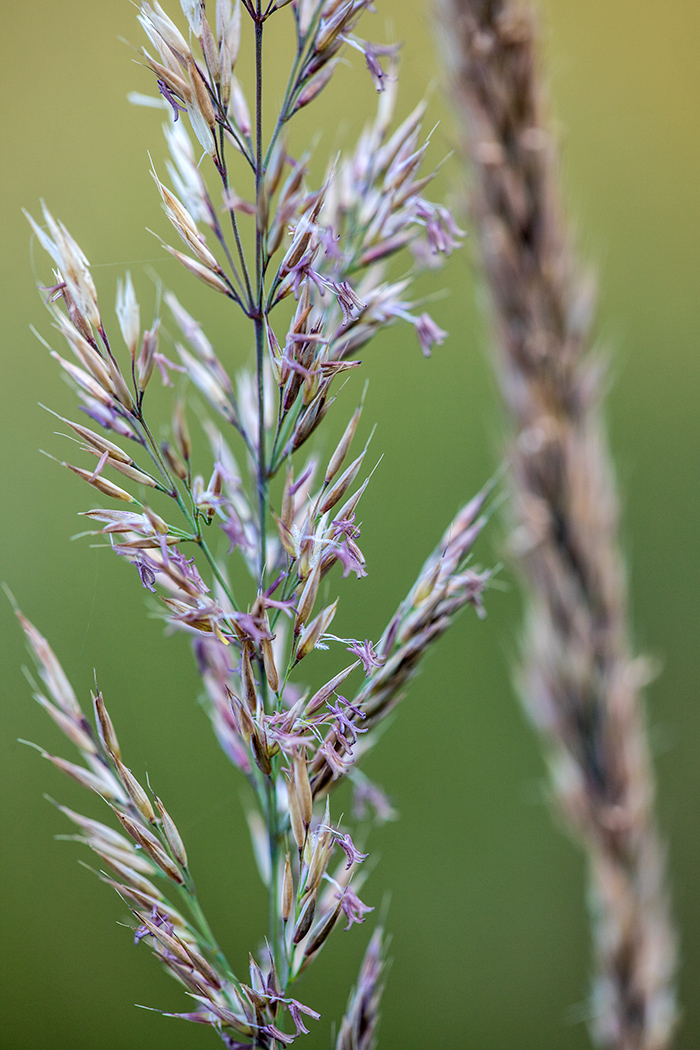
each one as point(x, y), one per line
point(346, 527)
point(329, 243)
point(352, 906)
point(234, 531)
point(296, 1009)
point(162, 921)
point(274, 1033)
point(336, 763)
point(169, 97)
point(164, 365)
point(365, 652)
point(372, 53)
point(253, 626)
point(429, 334)
point(348, 300)
point(350, 561)
point(442, 232)
point(289, 740)
point(350, 850)
point(146, 574)
point(188, 570)
point(375, 68)
point(109, 419)
point(340, 709)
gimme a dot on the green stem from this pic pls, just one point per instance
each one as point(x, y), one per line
point(190, 518)
point(259, 314)
point(275, 934)
point(223, 171)
point(190, 896)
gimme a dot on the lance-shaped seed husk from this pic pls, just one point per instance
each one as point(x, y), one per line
point(336, 493)
point(287, 889)
point(150, 845)
point(107, 488)
point(172, 835)
point(248, 682)
point(309, 707)
point(321, 932)
point(135, 791)
point(342, 448)
point(306, 917)
point(102, 783)
point(296, 821)
point(313, 631)
point(302, 786)
point(580, 682)
point(105, 727)
point(68, 726)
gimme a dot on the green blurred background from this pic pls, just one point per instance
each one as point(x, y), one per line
point(490, 940)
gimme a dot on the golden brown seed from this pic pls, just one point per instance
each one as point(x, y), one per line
point(327, 690)
point(173, 944)
point(248, 682)
point(295, 818)
point(210, 50)
point(172, 835)
point(105, 727)
point(321, 930)
point(174, 462)
point(313, 631)
point(138, 832)
point(305, 919)
point(135, 792)
point(102, 444)
point(269, 664)
point(343, 447)
point(288, 499)
point(108, 488)
point(303, 788)
point(258, 746)
point(132, 878)
point(308, 597)
point(199, 270)
point(201, 94)
point(341, 486)
point(287, 889)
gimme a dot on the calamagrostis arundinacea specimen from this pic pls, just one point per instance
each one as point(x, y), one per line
point(312, 270)
point(580, 681)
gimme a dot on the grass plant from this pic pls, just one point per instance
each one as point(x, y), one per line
point(240, 554)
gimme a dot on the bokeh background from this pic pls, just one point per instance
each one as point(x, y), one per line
point(490, 939)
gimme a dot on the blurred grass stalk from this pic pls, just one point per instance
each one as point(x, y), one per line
point(580, 682)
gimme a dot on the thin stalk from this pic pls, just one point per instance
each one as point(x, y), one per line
point(220, 235)
point(274, 892)
point(154, 452)
point(223, 171)
point(190, 896)
point(259, 316)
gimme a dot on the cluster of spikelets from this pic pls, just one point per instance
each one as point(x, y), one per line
point(329, 248)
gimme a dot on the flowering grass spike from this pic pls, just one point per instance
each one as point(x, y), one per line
point(325, 251)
